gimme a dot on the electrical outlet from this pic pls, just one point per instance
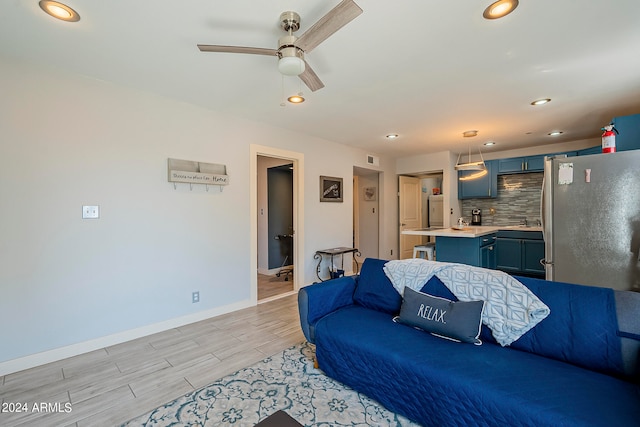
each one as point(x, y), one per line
point(195, 297)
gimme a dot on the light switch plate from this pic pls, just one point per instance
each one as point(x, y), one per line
point(90, 212)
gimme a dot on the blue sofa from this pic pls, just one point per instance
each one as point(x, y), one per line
point(578, 367)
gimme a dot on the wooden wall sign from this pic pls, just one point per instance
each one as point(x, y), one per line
point(191, 172)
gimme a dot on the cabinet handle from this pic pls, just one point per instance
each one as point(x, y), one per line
point(490, 248)
point(522, 166)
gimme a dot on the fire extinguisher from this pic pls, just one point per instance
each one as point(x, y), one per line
point(609, 139)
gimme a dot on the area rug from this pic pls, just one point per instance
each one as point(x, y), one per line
point(286, 381)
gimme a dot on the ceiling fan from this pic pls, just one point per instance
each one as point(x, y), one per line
point(291, 49)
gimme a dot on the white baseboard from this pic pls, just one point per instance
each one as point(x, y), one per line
point(37, 359)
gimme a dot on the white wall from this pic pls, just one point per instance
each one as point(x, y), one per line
point(70, 285)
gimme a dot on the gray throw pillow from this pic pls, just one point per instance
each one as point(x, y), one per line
point(454, 320)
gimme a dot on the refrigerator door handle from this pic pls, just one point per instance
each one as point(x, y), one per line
point(542, 205)
point(546, 217)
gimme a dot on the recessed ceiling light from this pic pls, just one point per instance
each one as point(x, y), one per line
point(59, 10)
point(541, 101)
point(392, 136)
point(500, 8)
point(469, 133)
point(555, 133)
point(489, 143)
point(296, 99)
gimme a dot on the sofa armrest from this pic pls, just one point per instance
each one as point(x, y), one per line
point(318, 300)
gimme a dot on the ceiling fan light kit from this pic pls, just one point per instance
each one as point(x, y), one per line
point(291, 66)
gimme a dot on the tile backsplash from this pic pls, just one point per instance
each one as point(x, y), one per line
point(518, 198)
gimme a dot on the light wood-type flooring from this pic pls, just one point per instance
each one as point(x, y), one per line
point(115, 384)
point(272, 285)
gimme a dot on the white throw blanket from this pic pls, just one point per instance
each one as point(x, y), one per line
point(511, 309)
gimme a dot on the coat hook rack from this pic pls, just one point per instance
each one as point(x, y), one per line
point(191, 172)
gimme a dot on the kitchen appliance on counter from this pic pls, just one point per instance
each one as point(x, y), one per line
point(591, 219)
point(476, 217)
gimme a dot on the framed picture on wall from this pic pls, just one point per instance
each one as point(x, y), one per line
point(369, 194)
point(330, 189)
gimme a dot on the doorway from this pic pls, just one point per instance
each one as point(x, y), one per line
point(277, 255)
point(366, 213)
point(420, 205)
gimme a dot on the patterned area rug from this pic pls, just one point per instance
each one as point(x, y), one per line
point(286, 381)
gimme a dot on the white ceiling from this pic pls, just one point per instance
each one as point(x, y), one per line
point(424, 69)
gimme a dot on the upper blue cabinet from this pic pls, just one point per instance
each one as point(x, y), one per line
point(521, 164)
point(628, 137)
point(483, 187)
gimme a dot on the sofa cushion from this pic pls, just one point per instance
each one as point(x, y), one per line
point(374, 289)
point(456, 320)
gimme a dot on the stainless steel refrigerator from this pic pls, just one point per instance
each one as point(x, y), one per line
point(591, 219)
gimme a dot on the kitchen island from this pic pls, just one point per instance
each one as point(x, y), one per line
point(480, 246)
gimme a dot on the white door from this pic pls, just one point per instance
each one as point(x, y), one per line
point(410, 214)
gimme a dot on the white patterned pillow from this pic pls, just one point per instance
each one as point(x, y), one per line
point(511, 309)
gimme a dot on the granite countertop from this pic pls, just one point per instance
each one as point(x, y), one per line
point(469, 231)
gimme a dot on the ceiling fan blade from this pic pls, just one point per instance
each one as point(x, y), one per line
point(345, 12)
point(310, 78)
point(237, 49)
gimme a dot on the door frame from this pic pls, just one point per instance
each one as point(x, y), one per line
point(298, 213)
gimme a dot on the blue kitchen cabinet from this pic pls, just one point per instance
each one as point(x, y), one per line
point(476, 251)
point(532, 254)
point(628, 137)
point(519, 252)
point(521, 164)
point(488, 255)
point(479, 188)
point(514, 164)
point(534, 163)
point(509, 255)
point(591, 150)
